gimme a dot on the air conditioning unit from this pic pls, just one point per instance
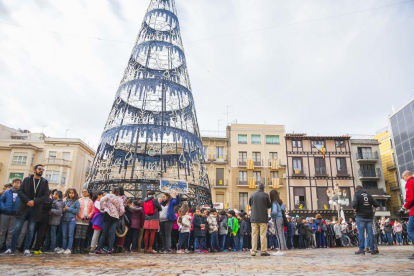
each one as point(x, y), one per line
point(284, 176)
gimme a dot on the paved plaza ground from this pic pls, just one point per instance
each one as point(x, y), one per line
point(339, 261)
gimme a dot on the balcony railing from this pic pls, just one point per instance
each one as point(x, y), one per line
point(220, 183)
point(299, 172)
point(342, 173)
point(373, 156)
point(241, 182)
point(391, 166)
point(58, 161)
point(320, 172)
point(215, 158)
point(242, 163)
point(370, 173)
point(270, 182)
point(301, 206)
point(378, 192)
point(280, 163)
point(258, 163)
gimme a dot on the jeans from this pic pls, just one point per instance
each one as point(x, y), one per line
point(68, 231)
point(222, 239)
point(399, 238)
point(108, 229)
point(389, 238)
point(29, 216)
point(321, 239)
point(183, 241)
point(410, 228)
point(52, 230)
point(7, 224)
point(239, 242)
point(199, 243)
point(365, 224)
point(165, 231)
point(214, 243)
point(290, 242)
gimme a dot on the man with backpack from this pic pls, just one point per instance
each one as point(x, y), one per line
point(409, 204)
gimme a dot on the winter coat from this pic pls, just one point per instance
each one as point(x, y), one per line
point(157, 209)
point(197, 221)
point(301, 229)
point(404, 227)
point(313, 227)
point(330, 230)
point(7, 206)
point(338, 231)
point(363, 203)
point(277, 210)
point(212, 224)
point(242, 227)
point(173, 202)
point(98, 216)
point(409, 196)
point(388, 227)
point(186, 224)
point(72, 211)
point(90, 209)
point(259, 203)
point(233, 225)
point(318, 223)
point(271, 227)
point(113, 205)
point(42, 193)
point(308, 232)
point(249, 226)
point(56, 212)
point(47, 206)
point(223, 225)
point(397, 228)
point(138, 217)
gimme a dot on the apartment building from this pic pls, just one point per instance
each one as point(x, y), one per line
point(368, 172)
point(310, 174)
point(390, 172)
point(257, 155)
point(66, 161)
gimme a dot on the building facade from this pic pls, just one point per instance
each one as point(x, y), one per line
point(368, 171)
point(66, 161)
point(310, 174)
point(389, 169)
point(257, 155)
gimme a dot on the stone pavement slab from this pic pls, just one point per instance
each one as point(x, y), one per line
point(338, 261)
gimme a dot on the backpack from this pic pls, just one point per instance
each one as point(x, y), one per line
point(149, 207)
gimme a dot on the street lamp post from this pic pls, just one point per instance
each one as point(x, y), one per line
point(337, 198)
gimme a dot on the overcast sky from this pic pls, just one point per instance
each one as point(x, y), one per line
point(333, 76)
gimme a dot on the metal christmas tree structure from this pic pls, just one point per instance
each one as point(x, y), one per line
point(152, 131)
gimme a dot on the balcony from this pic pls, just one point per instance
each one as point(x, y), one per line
point(321, 172)
point(217, 159)
point(280, 164)
point(367, 157)
point(370, 174)
point(342, 174)
point(242, 182)
point(270, 182)
point(258, 163)
point(58, 162)
point(301, 206)
point(220, 183)
point(242, 162)
point(299, 172)
point(374, 192)
point(391, 166)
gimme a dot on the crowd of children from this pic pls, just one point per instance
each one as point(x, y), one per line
point(102, 223)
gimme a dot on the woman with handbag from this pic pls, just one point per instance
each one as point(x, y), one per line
point(114, 208)
point(278, 217)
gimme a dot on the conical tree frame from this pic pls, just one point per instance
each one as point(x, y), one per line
point(152, 131)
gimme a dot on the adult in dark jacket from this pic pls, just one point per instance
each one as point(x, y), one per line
point(259, 203)
point(32, 193)
point(152, 222)
point(363, 204)
point(42, 225)
point(8, 206)
point(167, 222)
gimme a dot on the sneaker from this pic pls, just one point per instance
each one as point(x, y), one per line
point(60, 251)
point(252, 254)
point(9, 252)
point(38, 252)
point(264, 254)
point(109, 252)
point(169, 251)
point(98, 252)
point(180, 251)
point(67, 251)
point(57, 249)
point(360, 252)
point(374, 252)
point(187, 251)
point(279, 253)
point(27, 253)
point(234, 250)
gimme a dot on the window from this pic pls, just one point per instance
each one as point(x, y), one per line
point(320, 167)
point(299, 198)
point(296, 143)
point(52, 157)
point(256, 157)
point(257, 176)
point(339, 144)
point(368, 170)
point(53, 176)
point(365, 153)
point(243, 176)
point(323, 199)
point(220, 153)
point(242, 138)
point(219, 176)
point(256, 139)
point(63, 180)
point(205, 152)
point(318, 143)
point(243, 201)
point(347, 199)
point(220, 198)
point(19, 158)
point(66, 156)
point(242, 157)
point(297, 165)
point(274, 174)
point(273, 155)
point(272, 139)
point(370, 184)
point(341, 166)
